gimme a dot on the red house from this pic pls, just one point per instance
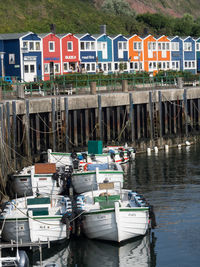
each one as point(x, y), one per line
point(70, 53)
point(51, 58)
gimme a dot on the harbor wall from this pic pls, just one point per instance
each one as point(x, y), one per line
point(142, 118)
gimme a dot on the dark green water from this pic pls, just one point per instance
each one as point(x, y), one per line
point(171, 183)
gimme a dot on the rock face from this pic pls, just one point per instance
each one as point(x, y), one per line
point(171, 7)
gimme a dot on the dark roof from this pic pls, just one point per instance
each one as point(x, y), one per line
point(13, 36)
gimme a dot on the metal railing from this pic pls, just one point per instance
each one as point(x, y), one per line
point(80, 83)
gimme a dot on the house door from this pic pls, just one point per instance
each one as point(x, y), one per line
point(120, 50)
point(30, 71)
point(51, 69)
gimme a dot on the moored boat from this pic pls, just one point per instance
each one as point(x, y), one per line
point(41, 177)
point(34, 219)
point(88, 178)
point(110, 154)
point(114, 214)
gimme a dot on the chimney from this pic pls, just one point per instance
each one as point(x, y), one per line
point(53, 28)
point(103, 29)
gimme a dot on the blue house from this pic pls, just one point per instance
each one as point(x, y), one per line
point(87, 50)
point(189, 54)
point(176, 53)
point(22, 55)
point(104, 53)
point(120, 52)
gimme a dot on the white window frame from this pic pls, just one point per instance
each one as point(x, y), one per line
point(36, 46)
point(175, 46)
point(188, 46)
point(138, 46)
point(53, 43)
point(69, 42)
point(31, 42)
point(190, 64)
point(197, 46)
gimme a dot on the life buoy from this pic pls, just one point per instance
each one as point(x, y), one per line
point(85, 167)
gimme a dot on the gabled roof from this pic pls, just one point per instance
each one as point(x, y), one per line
point(80, 35)
point(115, 36)
point(42, 35)
point(173, 37)
point(13, 36)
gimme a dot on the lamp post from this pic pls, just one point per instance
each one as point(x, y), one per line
point(2, 64)
point(139, 54)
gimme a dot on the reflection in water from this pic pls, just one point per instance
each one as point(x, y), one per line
point(96, 253)
point(93, 253)
point(58, 253)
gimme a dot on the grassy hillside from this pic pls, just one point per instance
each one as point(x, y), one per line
point(80, 16)
point(68, 15)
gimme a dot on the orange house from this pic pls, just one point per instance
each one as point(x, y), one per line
point(135, 53)
point(150, 54)
point(163, 46)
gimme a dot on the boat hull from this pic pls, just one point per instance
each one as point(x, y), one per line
point(34, 230)
point(116, 224)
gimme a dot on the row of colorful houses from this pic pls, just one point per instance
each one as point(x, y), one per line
point(31, 56)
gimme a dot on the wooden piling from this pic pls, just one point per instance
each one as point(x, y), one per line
point(14, 133)
point(53, 123)
point(131, 117)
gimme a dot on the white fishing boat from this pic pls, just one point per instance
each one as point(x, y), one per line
point(34, 219)
point(88, 178)
point(113, 214)
point(110, 154)
point(41, 177)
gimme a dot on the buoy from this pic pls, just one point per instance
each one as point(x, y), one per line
point(166, 147)
point(187, 143)
point(156, 149)
point(179, 146)
point(149, 151)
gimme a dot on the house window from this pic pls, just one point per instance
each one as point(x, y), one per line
point(137, 45)
point(32, 68)
point(109, 66)
point(87, 45)
point(93, 67)
point(69, 46)
point(37, 46)
point(189, 64)
point(51, 46)
point(198, 46)
point(151, 45)
point(31, 46)
point(167, 46)
point(82, 46)
point(26, 68)
point(57, 67)
point(188, 46)
point(25, 44)
point(11, 58)
point(99, 45)
point(131, 65)
point(124, 45)
point(116, 66)
point(65, 66)
point(88, 67)
point(159, 46)
point(175, 46)
point(46, 68)
point(92, 46)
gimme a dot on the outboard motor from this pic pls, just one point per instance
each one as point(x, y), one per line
point(84, 156)
point(112, 155)
point(92, 156)
point(55, 177)
point(121, 154)
point(75, 164)
point(129, 153)
point(23, 259)
point(73, 155)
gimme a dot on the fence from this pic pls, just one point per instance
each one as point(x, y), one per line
point(80, 84)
